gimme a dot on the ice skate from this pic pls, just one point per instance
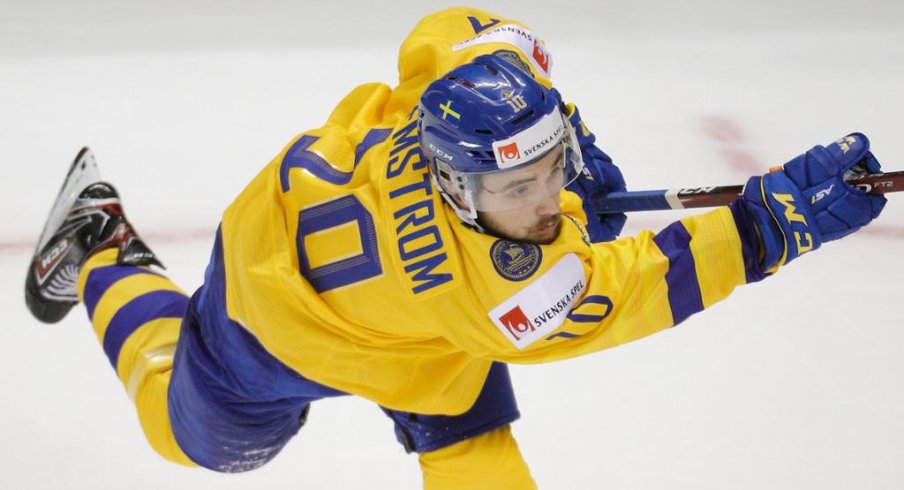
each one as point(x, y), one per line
point(86, 217)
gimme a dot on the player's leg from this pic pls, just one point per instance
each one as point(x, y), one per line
point(472, 450)
point(136, 314)
point(490, 461)
point(200, 401)
point(232, 404)
point(206, 390)
point(89, 252)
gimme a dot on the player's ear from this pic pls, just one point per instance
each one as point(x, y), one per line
point(459, 201)
point(444, 179)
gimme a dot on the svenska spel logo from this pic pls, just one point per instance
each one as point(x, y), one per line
point(509, 153)
point(516, 322)
point(541, 56)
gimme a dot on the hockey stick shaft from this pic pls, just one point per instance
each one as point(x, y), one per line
point(705, 197)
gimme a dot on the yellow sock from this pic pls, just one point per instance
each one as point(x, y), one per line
point(491, 461)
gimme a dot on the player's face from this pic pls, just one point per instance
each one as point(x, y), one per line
point(538, 185)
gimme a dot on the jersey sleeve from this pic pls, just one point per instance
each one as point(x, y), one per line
point(605, 294)
point(452, 37)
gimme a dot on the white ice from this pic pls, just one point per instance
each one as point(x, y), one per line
point(791, 383)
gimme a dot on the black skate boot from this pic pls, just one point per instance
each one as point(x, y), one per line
point(87, 217)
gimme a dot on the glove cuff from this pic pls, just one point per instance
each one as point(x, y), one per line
point(783, 219)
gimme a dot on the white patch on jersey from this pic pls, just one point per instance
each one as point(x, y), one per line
point(524, 40)
point(541, 307)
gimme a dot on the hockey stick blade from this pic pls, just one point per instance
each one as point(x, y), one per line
point(705, 197)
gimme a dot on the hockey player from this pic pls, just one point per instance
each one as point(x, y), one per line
point(407, 250)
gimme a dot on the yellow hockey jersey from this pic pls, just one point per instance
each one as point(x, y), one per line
point(346, 264)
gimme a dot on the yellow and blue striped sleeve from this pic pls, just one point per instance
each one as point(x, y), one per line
point(641, 285)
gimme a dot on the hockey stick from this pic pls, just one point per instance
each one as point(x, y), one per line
point(704, 197)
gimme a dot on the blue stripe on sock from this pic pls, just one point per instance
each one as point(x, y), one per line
point(100, 280)
point(135, 313)
point(685, 298)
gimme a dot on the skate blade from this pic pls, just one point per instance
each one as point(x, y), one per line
point(82, 173)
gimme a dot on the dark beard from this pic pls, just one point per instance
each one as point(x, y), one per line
point(489, 229)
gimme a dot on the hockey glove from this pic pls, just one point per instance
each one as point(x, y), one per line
point(599, 178)
point(808, 202)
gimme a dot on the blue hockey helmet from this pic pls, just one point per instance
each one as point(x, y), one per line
point(489, 116)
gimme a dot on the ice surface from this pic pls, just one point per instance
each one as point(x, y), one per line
point(792, 383)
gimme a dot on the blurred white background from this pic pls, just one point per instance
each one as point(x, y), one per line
point(792, 383)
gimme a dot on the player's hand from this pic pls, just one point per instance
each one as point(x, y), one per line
point(599, 178)
point(807, 202)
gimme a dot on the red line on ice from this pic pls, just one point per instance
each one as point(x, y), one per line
point(186, 236)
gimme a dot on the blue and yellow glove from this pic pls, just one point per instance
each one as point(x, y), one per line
point(599, 178)
point(808, 202)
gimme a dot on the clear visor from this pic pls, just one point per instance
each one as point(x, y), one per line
point(528, 184)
